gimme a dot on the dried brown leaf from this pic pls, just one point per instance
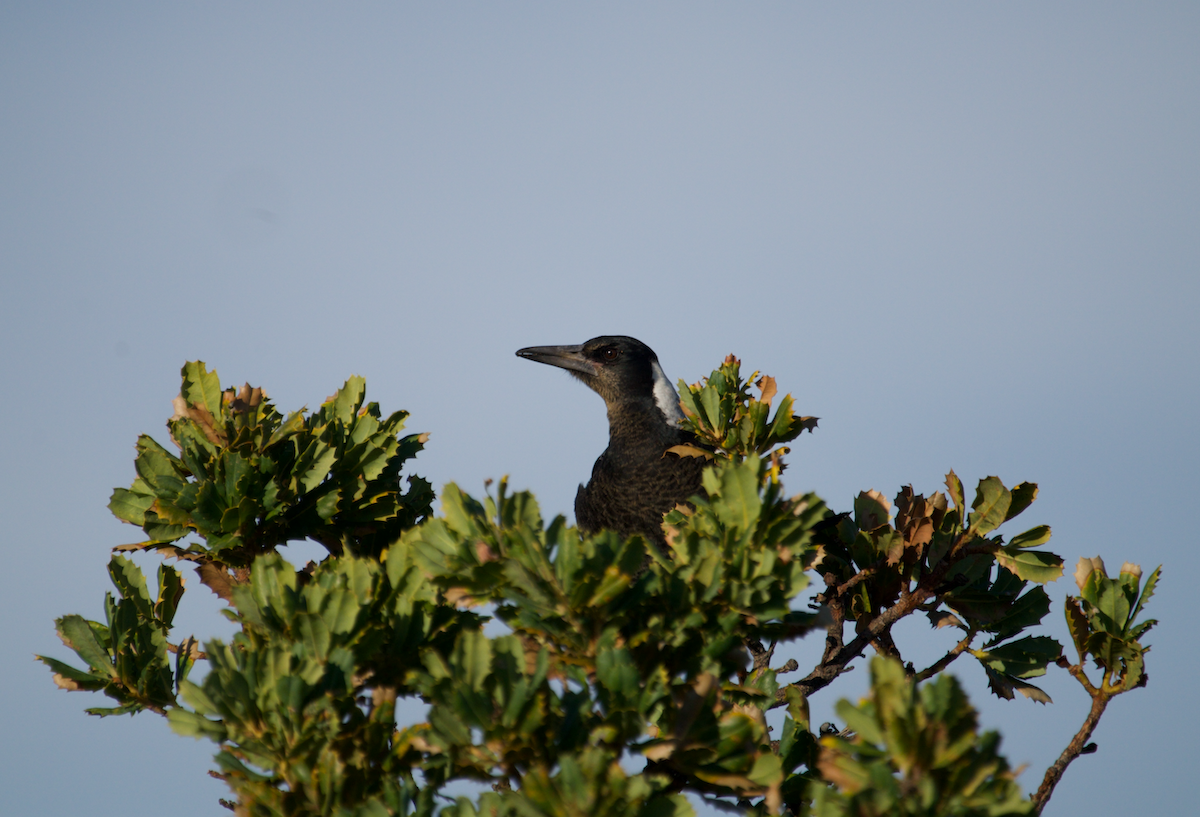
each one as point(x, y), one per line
point(461, 598)
point(1085, 568)
point(660, 751)
point(244, 399)
point(834, 771)
point(685, 450)
point(217, 579)
point(190, 646)
point(943, 618)
point(198, 415)
point(766, 384)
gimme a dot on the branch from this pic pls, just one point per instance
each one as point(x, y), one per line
point(1078, 744)
point(834, 662)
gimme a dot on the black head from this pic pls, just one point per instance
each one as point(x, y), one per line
point(619, 368)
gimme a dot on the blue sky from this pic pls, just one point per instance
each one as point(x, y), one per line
point(963, 235)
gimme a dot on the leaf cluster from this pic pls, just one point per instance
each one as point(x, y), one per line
point(302, 702)
point(728, 420)
point(247, 480)
point(632, 648)
point(914, 750)
point(941, 558)
point(1103, 621)
point(546, 659)
point(128, 656)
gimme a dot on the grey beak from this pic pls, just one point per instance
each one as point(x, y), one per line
point(564, 357)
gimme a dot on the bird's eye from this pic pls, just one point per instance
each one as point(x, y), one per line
point(611, 353)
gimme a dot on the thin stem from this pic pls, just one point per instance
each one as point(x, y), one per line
point(945, 660)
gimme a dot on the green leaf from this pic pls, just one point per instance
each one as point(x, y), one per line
point(871, 510)
point(1111, 603)
point(130, 505)
point(955, 487)
point(473, 659)
point(990, 508)
point(159, 468)
point(1024, 658)
point(68, 677)
point(1023, 496)
point(767, 769)
point(201, 387)
point(1031, 538)
point(739, 503)
point(76, 633)
point(1026, 611)
point(348, 399)
point(616, 671)
point(1005, 685)
point(129, 581)
point(1030, 565)
point(1148, 588)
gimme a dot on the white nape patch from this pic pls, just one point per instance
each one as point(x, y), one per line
point(665, 395)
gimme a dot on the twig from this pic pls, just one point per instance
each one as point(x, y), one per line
point(945, 660)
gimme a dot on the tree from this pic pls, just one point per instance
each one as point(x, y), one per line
point(613, 653)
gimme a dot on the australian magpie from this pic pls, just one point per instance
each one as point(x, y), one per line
point(635, 481)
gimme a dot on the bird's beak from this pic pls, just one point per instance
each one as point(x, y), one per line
point(564, 357)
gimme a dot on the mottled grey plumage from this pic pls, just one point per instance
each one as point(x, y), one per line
point(635, 481)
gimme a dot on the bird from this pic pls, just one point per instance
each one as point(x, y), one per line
point(637, 479)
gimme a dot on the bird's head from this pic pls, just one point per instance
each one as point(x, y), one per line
point(620, 369)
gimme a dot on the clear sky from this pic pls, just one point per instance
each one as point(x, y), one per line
point(963, 235)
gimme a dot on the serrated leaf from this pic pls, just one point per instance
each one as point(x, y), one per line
point(1026, 611)
point(1023, 496)
point(1024, 658)
point(1003, 686)
point(170, 590)
point(129, 581)
point(158, 467)
point(1148, 588)
point(201, 387)
point(292, 425)
point(1077, 626)
point(767, 387)
point(955, 487)
point(683, 450)
point(72, 679)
